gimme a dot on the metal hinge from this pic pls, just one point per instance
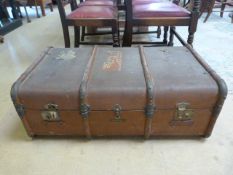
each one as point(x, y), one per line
point(183, 112)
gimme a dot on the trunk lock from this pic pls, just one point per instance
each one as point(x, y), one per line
point(50, 113)
point(117, 110)
point(183, 112)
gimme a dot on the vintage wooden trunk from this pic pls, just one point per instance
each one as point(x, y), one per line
point(103, 91)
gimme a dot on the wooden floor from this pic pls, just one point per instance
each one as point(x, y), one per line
point(22, 156)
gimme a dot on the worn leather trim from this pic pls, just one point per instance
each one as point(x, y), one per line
point(150, 106)
point(84, 106)
point(20, 108)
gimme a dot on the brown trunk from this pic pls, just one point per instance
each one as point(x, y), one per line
point(166, 91)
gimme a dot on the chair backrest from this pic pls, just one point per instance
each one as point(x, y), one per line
point(194, 9)
point(61, 9)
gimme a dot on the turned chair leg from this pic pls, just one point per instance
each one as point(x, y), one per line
point(202, 9)
point(192, 28)
point(50, 6)
point(37, 13)
point(210, 6)
point(66, 36)
point(115, 36)
point(25, 9)
point(119, 31)
point(201, 12)
point(83, 33)
point(76, 36)
point(222, 7)
point(165, 34)
point(191, 36)
point(171, 37)
point(158, 32)
point(208, 15)
point(19, 11)
point(127, 37)
point(42, 8)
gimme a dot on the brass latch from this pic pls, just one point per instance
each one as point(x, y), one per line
point(50, 113)
point(183, 112)
point(117, 111)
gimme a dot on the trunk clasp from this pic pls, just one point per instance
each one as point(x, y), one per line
point(183, 112)
point(117, 110)
point(50, 113)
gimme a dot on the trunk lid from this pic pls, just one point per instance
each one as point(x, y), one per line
point(116, 77)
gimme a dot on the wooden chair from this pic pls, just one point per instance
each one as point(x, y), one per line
point(24, 4)
point(42, 4)
point(141, 2)
point(17, 4)
point(209, 5)
point(223, 5)
point(93, 16)
point(93, 31)
point(160, 14)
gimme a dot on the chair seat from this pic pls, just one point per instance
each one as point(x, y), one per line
point(96, 3)
point(136, 2)
point(165, 9)
point(93, 12)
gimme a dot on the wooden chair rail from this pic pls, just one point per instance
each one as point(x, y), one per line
point(162, 22)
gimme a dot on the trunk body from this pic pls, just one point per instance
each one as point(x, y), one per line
point(100, 91)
